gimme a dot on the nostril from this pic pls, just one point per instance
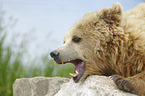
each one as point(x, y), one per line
point(54, 54)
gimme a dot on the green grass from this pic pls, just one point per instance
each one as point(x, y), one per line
point(12, 67)
point(10, 70)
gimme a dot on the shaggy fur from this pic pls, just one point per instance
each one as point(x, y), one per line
point(112, 42)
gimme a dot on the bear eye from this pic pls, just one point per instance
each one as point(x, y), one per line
point(76, 39)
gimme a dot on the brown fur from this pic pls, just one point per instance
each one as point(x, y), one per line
point(113, 42)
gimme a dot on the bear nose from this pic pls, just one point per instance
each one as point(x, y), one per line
point(54, 54)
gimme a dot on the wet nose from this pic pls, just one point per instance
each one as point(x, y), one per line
point(54, 54)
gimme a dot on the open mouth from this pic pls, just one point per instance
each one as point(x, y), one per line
point(79, 69)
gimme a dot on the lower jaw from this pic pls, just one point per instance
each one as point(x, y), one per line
point(76, 80)
point(79, 77)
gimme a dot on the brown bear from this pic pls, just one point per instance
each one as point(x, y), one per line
point(108, 42)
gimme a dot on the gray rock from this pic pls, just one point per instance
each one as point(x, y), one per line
point(92, 86)
point(38, 86)
point(57, 86)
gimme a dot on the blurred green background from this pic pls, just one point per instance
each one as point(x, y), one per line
point(12, 65)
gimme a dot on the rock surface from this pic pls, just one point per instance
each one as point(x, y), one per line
point(92, 86)
point(57, 86)
point(38, 86)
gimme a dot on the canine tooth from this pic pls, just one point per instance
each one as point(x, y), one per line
point(74, 75)
point(77, 72)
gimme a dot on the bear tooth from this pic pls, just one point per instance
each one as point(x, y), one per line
point(74, 75)
point(77, 72)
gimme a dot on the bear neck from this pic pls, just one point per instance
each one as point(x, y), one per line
point(117, 55)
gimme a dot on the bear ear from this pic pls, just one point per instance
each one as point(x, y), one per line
point(112, 15)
